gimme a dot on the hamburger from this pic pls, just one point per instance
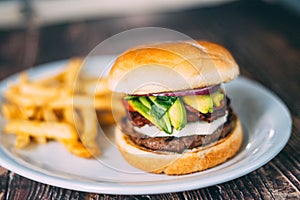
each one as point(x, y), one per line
point(178, 118)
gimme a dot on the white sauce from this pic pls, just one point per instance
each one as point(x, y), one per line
point(194, 128)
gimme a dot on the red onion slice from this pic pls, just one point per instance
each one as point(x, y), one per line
point(181, 93)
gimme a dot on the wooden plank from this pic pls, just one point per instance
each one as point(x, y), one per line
point(4, 174)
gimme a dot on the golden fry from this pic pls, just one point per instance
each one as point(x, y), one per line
point(52, 130)
point(49, 115)
point(38, 114)
point(26, 100)
point(71, 73)
point(22, 140)
point(78, 149)
point(90, 131)
point(10, 111)
point(51, 108)
point(68, 115)
point(82, 101)
point(27, 112)
point(103, 103)
point(72, 101)
point(90, 124)
point(71, 116)
point(36, 90)
point(40, 139)
point(106, 118)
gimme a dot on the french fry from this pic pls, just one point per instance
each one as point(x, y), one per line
point(22, 140)
point(77, 101)
point(52, 130)
point(50, 108)
point(38, 115)
point(82, 101)
point(71, 73)
point(90, 131)
point(28, 112)
point(10, 111)
point(40, 139)
point(26, 100)
point(90, 123)
point(78, 149)
point(106, 118)
point(103, 103)
point(49, 115)
point(71, 116)
point(36, 90)
point(68, 115)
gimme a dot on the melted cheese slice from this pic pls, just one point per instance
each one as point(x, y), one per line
point(194, 128)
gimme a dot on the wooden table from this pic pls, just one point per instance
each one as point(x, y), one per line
point(265, 41)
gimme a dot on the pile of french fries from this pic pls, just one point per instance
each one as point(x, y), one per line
point(61, 107)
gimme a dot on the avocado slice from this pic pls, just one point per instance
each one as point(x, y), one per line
point(159, 113)
point(202, 103)
point(155, 109)
point(141, 108)
point(165, 124)
point(162, 123)
point(217, 97)
point(160, 105)
point(146, 101)
point(177, 115)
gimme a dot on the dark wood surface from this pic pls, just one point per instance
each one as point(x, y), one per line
point(265, 41)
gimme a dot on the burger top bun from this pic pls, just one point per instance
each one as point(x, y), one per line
point(172, 66)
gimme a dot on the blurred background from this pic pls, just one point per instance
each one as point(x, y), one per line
point(39, 31)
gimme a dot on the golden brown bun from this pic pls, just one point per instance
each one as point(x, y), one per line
point(195, 160)
point(171, 67)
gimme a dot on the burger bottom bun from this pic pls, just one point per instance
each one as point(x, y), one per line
point(190, 161)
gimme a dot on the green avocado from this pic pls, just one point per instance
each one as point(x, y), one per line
point(165, 124)
point(217, 97)
point(141, 105)
point(159, 108)
point(202, 103)
point(146, 102)
point(177, 115)
point(141, 108)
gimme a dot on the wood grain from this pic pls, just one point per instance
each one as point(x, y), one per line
point(265, 41)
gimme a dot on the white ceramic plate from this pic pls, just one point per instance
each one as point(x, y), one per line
point(266, 123)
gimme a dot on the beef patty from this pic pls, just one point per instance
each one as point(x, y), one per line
point(179, 144)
